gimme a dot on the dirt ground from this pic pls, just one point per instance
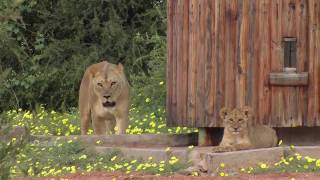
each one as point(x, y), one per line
point(141, 176)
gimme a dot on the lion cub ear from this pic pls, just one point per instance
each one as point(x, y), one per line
point(120, 67)
point(247, 111)
point(223, 112)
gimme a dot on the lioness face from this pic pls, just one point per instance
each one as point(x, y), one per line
point(108, 84)
point(235, 121)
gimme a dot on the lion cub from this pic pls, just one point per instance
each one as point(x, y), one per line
point(104, 99)
point(239, 134)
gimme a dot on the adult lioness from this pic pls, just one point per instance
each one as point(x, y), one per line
point(240, 134)
point(103, 99)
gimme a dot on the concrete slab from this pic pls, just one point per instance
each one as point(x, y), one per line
point(157, 154)
point(17, 132)
point(238, 159)
point(130, 140)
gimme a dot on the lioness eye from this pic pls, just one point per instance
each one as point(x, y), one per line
point(231, 120)
point(113, 83)
point(99, 84)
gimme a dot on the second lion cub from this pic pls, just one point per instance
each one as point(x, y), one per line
point(239, 134)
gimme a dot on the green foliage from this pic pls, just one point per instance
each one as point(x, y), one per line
point(46, 45)
point(42, 122)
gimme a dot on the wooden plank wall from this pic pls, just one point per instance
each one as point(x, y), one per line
point(220, 53)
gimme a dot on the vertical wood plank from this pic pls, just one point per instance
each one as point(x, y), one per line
point(169, 62)
point(201, 63)
point(313, 92)
point(178, 61)
point(220, 56)
point(184, 92)
point(301, 17)
point(251, 73)
point(192, 69)
point(264, 61)
point(242, 54)
point(276, 61)
point(257, 64)
point(182, 61)
point(212, 60)
point(230, 46)
point(209, 65)
point(174, 63)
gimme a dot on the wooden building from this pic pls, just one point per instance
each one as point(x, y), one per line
point(261, 53)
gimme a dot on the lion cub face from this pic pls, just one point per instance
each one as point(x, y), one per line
point(235, 121)
point(107, 84)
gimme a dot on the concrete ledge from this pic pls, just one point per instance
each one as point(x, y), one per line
point(15, 132)
point(130, 140)
point(157, 154)
point(238, 159)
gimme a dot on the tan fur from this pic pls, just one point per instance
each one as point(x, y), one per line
point(103, 84)
point(240, 134)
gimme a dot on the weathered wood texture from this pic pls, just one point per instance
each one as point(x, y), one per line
point(221, 53)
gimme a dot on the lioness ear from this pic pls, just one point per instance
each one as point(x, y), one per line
point(120, 67)
point(93, 71)
point(223, 112)
point(247, 111)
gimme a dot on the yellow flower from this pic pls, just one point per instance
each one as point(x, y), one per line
point(148, 100)
point(190, 147)
point(173, 160)
point(133, 161)
point(161, 82)
point(73, 169)
point(318, 163)
point(114, 158)
point(150, 158)
point(263, 166)
point(222, 174)
point(83, 157)
point(222, 165)
point(280, 142)
point(298, 157)
point(168, 149)
point(98, 142)
point(194, 173)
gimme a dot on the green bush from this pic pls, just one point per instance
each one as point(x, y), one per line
point(46, 45)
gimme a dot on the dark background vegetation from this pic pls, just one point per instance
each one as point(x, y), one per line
point(45, 46)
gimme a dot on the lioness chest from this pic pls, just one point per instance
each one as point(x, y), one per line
point(108, 112)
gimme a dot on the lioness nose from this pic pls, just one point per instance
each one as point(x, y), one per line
point(106, 97)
